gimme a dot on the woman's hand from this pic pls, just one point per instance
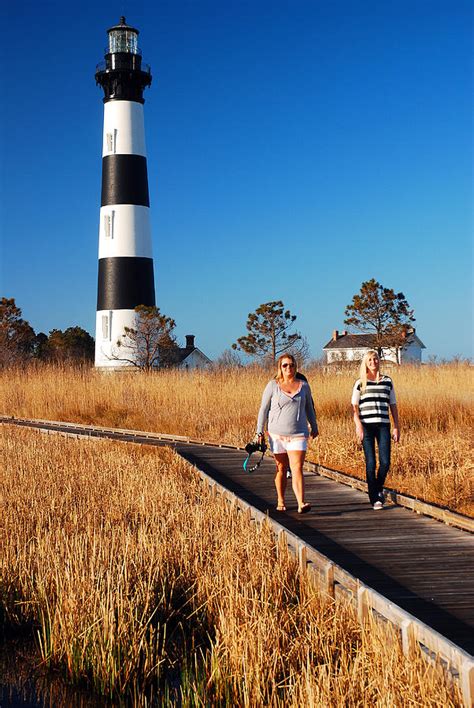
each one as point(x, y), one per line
point(358, 423)
point(313, 434)
point(359, 432)
point(396, 435)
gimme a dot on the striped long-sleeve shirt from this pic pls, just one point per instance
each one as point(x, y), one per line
point(374, 404)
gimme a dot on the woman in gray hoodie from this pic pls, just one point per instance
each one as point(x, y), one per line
point(287, 412)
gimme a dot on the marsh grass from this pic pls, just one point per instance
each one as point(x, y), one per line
point(433, 461)
point(139, 583)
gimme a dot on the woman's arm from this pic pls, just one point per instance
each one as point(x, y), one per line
point(355, 407)
point(264, 408)
point(358, 424)
point(394, 412)
point(396, 424)
point(311, 413)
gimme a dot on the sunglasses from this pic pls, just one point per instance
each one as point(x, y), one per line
point(284, 366)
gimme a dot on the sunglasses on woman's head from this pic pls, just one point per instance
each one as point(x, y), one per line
point(284, 366)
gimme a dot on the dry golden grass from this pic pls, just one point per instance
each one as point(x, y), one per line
point(135, 577)
point(433, 461)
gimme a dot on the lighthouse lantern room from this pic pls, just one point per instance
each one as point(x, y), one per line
point(126, 277)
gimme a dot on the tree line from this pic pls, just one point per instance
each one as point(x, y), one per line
point(19, 343)
point(271, 331)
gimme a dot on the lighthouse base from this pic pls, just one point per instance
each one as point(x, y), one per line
point(110, 330)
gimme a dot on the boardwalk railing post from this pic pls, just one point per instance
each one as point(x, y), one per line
point(408, 637)
point(282, 543)
point(328, 575)
point(466, 671)
point(362, 604)
point(302, 558)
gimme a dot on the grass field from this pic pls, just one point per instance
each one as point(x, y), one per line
point(433, 461)
point(139, 582)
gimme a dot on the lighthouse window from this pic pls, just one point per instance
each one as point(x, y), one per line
point(111, 141)
point(106, 226)
point(105, 326)
point(109, 225)
point(123, 41)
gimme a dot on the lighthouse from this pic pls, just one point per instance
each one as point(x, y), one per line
point(126, 276)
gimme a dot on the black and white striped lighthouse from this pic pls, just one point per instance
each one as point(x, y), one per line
point(125, 251)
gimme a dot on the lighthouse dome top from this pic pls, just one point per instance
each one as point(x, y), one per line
point(123, 38)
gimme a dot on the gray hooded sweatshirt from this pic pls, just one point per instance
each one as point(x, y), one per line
point(284, 414)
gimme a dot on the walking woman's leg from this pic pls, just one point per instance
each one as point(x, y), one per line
point(297, 458)
point(384, 442)
point(368, 444)
point(281, 461)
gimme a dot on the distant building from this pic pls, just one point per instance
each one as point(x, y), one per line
point(190, 357)
point(352, 347)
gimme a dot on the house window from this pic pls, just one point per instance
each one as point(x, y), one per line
point(111, 141)
point(109, 225)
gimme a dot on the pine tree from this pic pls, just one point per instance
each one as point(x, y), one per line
point(269, 332)
point(17, 337)
point(382, 312)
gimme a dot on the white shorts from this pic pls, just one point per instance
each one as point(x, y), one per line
point(280, 444)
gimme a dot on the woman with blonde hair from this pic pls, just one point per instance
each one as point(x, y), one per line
point(287, 411)
point(373, 399)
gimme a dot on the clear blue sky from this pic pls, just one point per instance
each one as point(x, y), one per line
point(295, 149)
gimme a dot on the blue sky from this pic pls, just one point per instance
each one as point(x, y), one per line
point(295, 150)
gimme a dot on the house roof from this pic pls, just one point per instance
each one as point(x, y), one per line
point(351, 341)
point(364, 341)
point(182, 354)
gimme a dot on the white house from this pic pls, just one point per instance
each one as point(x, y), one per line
point(345, 346)
point(190, 357)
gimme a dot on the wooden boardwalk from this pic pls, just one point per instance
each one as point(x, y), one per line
point(418, 563)
point(422, 565)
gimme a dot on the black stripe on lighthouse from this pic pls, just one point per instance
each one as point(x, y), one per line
point(125, 283)
point(124, 180)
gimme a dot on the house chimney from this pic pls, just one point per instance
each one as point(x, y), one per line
point(335, 335)
point(344, 333)
point(190, 341)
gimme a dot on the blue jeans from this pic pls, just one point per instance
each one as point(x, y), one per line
point(381, 433)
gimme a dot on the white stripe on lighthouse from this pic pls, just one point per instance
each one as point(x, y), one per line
point(124, 129)
point(109, 327)
point(125, 231)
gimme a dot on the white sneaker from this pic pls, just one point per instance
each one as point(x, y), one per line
point(378, 505)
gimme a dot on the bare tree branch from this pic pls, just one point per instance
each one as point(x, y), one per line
point(151, 343)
